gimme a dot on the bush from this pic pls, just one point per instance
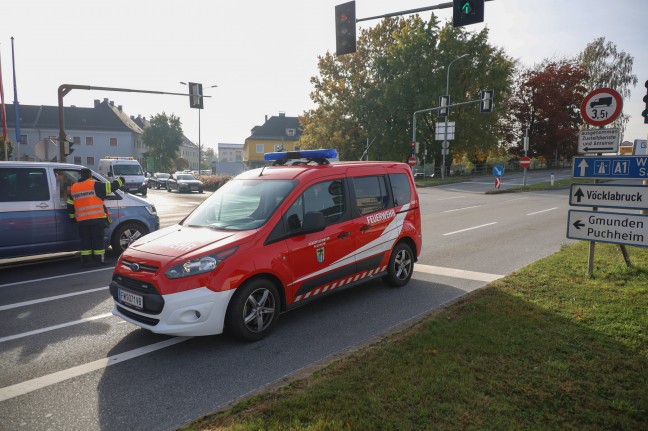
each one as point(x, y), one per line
point(214, 182)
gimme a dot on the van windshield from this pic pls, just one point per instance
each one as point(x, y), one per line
point(241, 204)
point(127, 169)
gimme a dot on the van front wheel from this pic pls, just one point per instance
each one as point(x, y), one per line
point(401, 266)
point(253, 311)
point(125, 235)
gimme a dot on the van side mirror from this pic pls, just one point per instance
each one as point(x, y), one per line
point(313, 222)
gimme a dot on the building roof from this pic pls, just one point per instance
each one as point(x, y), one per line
point(276, 128)
point(222, 145)
point(103, 116)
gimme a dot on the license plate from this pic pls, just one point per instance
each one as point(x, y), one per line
point(129, 298)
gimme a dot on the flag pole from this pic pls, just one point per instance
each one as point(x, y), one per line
point(16, 104)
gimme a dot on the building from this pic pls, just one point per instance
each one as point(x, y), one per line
point(278, 133)
point(103, 130)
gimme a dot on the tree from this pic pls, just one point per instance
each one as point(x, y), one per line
point(548, 100)
point(163, 137)
point(607, 67)
point(400, 67)
point(5, 146)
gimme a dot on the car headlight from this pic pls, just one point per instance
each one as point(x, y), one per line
point(151, 209)
point(200, 265)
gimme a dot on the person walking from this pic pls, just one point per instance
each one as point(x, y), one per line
point(86, 208)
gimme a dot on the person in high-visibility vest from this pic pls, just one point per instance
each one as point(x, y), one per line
point(86, 209)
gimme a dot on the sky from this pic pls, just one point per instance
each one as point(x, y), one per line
point(261, 54)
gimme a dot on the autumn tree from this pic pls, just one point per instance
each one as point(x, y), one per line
point(610, 68)
point(547, 101)
point(162, 138)
point(399, 68)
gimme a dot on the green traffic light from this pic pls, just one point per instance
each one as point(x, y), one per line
point(467, 8)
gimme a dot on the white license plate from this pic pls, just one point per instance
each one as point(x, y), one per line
point(129, 298)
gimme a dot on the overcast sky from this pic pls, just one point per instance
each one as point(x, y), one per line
point(260, 53)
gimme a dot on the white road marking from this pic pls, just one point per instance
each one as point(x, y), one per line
point(461, 209)
point(38, 280)
point(470, 228)
point(60, 376)
point(543, 211)
point(456, 273)
point(452, 197)
point(50, 298)
point(52, 328)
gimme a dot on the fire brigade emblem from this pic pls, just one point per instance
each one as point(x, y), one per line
point(320, 254)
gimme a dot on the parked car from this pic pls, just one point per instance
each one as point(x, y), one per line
point(270, 240)
point(126, 167)
point(34, 218)
point(182, 182)
point(158, 180)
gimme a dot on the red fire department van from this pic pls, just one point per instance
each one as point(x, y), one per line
point(269, 240)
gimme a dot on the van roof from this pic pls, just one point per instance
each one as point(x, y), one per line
point(290, 172)
point(40, 164)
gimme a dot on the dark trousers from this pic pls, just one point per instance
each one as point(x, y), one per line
point(91, 233)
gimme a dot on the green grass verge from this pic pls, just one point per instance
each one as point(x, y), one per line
point(546, 348)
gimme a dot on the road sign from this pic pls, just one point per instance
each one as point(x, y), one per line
point(498, 171)
point(601, 107)
point(498, 182)
point(616, 228)
point(525, 161)
point(412, 161)
point(439, 128)
point(615, 167)
point(609, 196)
point(599, 141)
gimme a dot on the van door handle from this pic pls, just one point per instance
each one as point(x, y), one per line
point(344, 234)
point(42, 205)
point(365, 227)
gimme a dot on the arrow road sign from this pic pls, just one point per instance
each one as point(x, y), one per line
point(609, 196)
point(498, 171)
point(614, 228)
point(615, 167)
point(598, 141)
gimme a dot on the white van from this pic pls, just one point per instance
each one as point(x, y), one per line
point(34, 218)
point(127, 167)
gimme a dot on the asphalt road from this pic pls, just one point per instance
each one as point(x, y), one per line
point(67, 364)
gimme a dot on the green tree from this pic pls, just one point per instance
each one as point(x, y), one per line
point(399, 68)
point(163, 137)
point(608, 67)
point(547, 101)
point(5, 146)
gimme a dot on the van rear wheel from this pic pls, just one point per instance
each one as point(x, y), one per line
point(401, 266)
point(253, 311)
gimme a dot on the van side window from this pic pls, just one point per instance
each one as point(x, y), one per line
point(23, 184)
point(327, 197)
point(64, 180)
point(371, 194)
point(400, 189)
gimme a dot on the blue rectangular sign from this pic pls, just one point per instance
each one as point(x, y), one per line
point(614, 167)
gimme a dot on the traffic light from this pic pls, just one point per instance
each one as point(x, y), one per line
point(67, 146)
point(413, 148)
point(195, 95)
point(345, 28)
point(644, 114)
point(465, 12)
point(486, 104)
point(444, 101)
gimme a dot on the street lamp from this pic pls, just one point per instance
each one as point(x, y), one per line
point(199, 109)
point(445, 132)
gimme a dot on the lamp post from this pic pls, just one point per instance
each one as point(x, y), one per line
point(199, 109)
point(445, 132)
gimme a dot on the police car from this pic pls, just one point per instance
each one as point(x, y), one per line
point(269, 240)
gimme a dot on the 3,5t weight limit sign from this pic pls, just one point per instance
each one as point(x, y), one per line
point(601, 107)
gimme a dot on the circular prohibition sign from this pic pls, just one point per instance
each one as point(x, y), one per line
point(601, 106)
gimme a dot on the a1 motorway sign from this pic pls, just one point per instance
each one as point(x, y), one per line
point(609, 196)
point(616, 228)
point(601, 107)
point(615, 167)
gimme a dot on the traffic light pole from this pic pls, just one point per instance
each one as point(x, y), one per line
point(64, 89)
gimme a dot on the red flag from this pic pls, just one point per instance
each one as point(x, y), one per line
point(3, 111)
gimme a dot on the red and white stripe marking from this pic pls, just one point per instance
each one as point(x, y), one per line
point(341, 282)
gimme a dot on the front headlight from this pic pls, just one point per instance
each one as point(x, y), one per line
point(151, 209)
point(200, 265)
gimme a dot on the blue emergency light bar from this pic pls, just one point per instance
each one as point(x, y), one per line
point(303, 154)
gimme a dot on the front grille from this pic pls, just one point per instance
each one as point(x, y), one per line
point(137, 317)
point(137, 285)
point(142, 267)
